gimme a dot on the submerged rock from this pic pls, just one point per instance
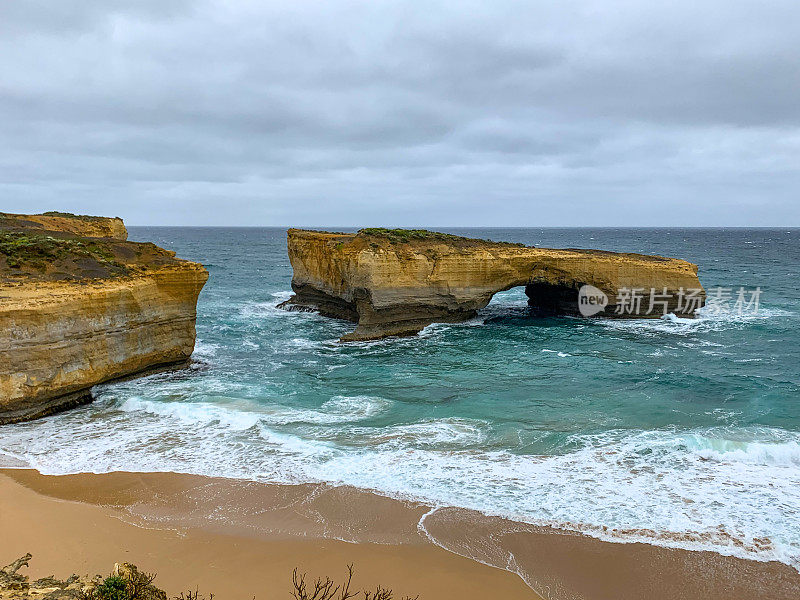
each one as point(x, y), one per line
point(396, 282)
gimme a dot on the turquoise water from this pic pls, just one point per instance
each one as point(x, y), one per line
point(676, 432)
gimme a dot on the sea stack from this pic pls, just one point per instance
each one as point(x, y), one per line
point(81, 305)
point(396, 282)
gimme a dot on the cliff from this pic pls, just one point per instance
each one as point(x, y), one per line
point(395, 282)
point(82, 225)
point(76, 311)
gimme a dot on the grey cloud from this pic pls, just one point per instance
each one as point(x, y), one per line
point(453, 113)
point(37, 17)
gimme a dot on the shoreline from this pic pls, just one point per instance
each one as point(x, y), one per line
point(79, 524)
point(427, 551)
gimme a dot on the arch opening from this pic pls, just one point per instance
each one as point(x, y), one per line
point(531, 301)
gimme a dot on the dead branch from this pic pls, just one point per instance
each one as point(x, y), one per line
point(322, 589)
point(17, 564)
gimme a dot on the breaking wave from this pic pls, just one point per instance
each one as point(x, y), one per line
point(731, 490)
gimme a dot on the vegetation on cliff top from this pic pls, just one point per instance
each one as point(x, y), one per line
point(43, 255)
point(39, 251)
point(126, 582)
point(10, 218)
point(66, 215)
point(401, 236)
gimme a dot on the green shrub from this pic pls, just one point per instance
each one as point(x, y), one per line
point(400, 236)
point(39, 250)
point(406, 235)
point(58, 213)
point(112, 588)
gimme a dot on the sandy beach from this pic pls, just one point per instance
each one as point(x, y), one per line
point(66, 536)
point(241, 539)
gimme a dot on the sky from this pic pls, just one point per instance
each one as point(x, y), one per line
point(399, 113)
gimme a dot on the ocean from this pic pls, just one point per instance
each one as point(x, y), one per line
point(676, 432)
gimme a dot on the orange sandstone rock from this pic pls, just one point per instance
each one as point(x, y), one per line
point(77, 311)
point(395, 282)
point(82, 225)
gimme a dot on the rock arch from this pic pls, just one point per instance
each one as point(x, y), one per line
point(395, 282)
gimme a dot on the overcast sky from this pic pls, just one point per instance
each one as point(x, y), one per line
point(534, 113)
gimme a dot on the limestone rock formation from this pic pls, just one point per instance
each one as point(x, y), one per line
point(76, 311)
point(395, 282)
point(125, 581)
point(86, 226)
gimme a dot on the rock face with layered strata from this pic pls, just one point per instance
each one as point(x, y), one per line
point(76, 311)
point(395, 282)
point(82, 225)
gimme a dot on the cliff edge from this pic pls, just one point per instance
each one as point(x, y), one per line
point(77, 310)
point(396, 282)
point(83, 225)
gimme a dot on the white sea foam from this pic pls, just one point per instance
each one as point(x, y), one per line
point(705, 321)
point(205, 350)
point(653, 486)
point(341, 409)
point(304, 343)
point(259, 310)
point(785, 454)
point(434, 433)
point(557, 352)
point(194, 413)
point(239, 415)
point(282, 296)
point(732, 490)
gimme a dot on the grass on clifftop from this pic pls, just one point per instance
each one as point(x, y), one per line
point(56, 213)
point(43, 257)
point(38, 251)
point(36, 255)
point(400, 236)
point(66, 215)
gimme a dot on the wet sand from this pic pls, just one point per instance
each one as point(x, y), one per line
point(66, 536)
point(241, 539)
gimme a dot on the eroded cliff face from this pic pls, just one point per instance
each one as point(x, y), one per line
point(81, 225)
point(396, 284)
point(77, 311)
